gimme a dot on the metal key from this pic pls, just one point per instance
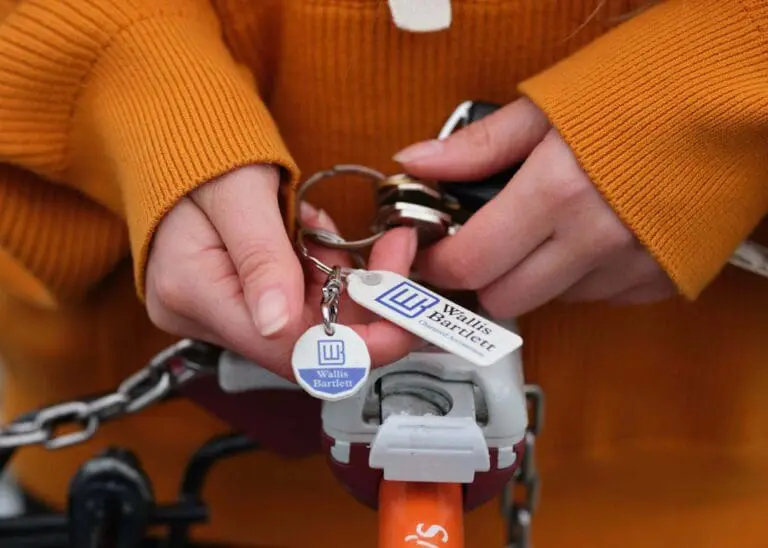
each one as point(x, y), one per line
point(438, 211)
point(406, 201)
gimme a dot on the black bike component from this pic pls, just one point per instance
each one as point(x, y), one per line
point(110, 502)
point(475, 195)
point(199, 466)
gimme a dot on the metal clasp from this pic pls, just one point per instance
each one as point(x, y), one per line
point(329, 304)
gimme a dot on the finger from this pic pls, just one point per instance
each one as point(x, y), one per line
point(507, 229)
point(626, 271)
point(543, 276)
point(482, 148)
point(243, 207)
point(394, 251)
point(193, 289)
point(646, 294)
point(386, 342)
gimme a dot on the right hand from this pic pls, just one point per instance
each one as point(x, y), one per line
point(223, 270)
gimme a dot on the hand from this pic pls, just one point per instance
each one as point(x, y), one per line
point(395, 252)
point(223, 270)
point(548, 235)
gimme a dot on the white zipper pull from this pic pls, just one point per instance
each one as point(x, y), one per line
point(421, 15)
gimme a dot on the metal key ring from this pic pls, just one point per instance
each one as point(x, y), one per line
point(324, 268)
point(322, 236)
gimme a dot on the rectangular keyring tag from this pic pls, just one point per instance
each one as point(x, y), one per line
point(432, 317)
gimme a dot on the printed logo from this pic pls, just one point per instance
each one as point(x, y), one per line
point(330, 367)
point(436, 533)
point(408, 300)
point(330, 352)
point(333, 374)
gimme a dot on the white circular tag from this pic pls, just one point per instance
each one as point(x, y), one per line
point(331, 367)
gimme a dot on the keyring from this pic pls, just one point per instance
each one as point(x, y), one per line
point(325, 237)
point(324, 268)
point(320, 265)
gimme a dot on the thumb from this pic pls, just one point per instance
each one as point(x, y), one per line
point(482, 148)
point(243, 207)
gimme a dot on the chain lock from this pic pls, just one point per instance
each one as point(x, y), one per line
point(520, 500)
point(177, 364)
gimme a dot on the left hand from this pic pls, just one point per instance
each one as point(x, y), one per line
point(548, 235)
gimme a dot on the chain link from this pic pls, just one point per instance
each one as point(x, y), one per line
point(148, 386)
point(521, 498)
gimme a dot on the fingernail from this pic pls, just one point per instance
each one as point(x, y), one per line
point(307, 211)
point(271, 312)
point(418, 151)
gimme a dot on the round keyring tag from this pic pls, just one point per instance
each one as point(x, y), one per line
point(331, 367)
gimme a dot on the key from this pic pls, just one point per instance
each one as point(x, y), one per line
point(406, 201)
point(438, 212)
point(330, 361)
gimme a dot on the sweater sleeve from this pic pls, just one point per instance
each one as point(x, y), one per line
point(128, 103)
point(668, 114)
point(55, 243)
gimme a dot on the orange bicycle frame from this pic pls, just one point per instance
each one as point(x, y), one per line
point(429, 515)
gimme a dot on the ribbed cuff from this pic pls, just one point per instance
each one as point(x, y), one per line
point(63, 242)
point(47, 50)
point(170, 110)
point(139, 94)
point(668, 115)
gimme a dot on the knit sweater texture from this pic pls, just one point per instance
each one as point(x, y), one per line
point(112, 110)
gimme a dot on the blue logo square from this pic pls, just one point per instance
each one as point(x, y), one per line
point(331, 352)
point(408, 300)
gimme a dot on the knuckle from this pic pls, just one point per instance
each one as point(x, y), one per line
point(160, 316)
point(649, 272)
point(613, 235)
point(570, 189)
point(479, 136)
point(166, 293)
point(486, 144)
point(462, 270)
point(494, 305)
point(157, 315)
point(254, 260)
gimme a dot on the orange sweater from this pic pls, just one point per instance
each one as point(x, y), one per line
point(110, 110)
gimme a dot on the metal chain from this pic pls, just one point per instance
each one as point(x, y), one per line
point(521, 498)
point(148, 386)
